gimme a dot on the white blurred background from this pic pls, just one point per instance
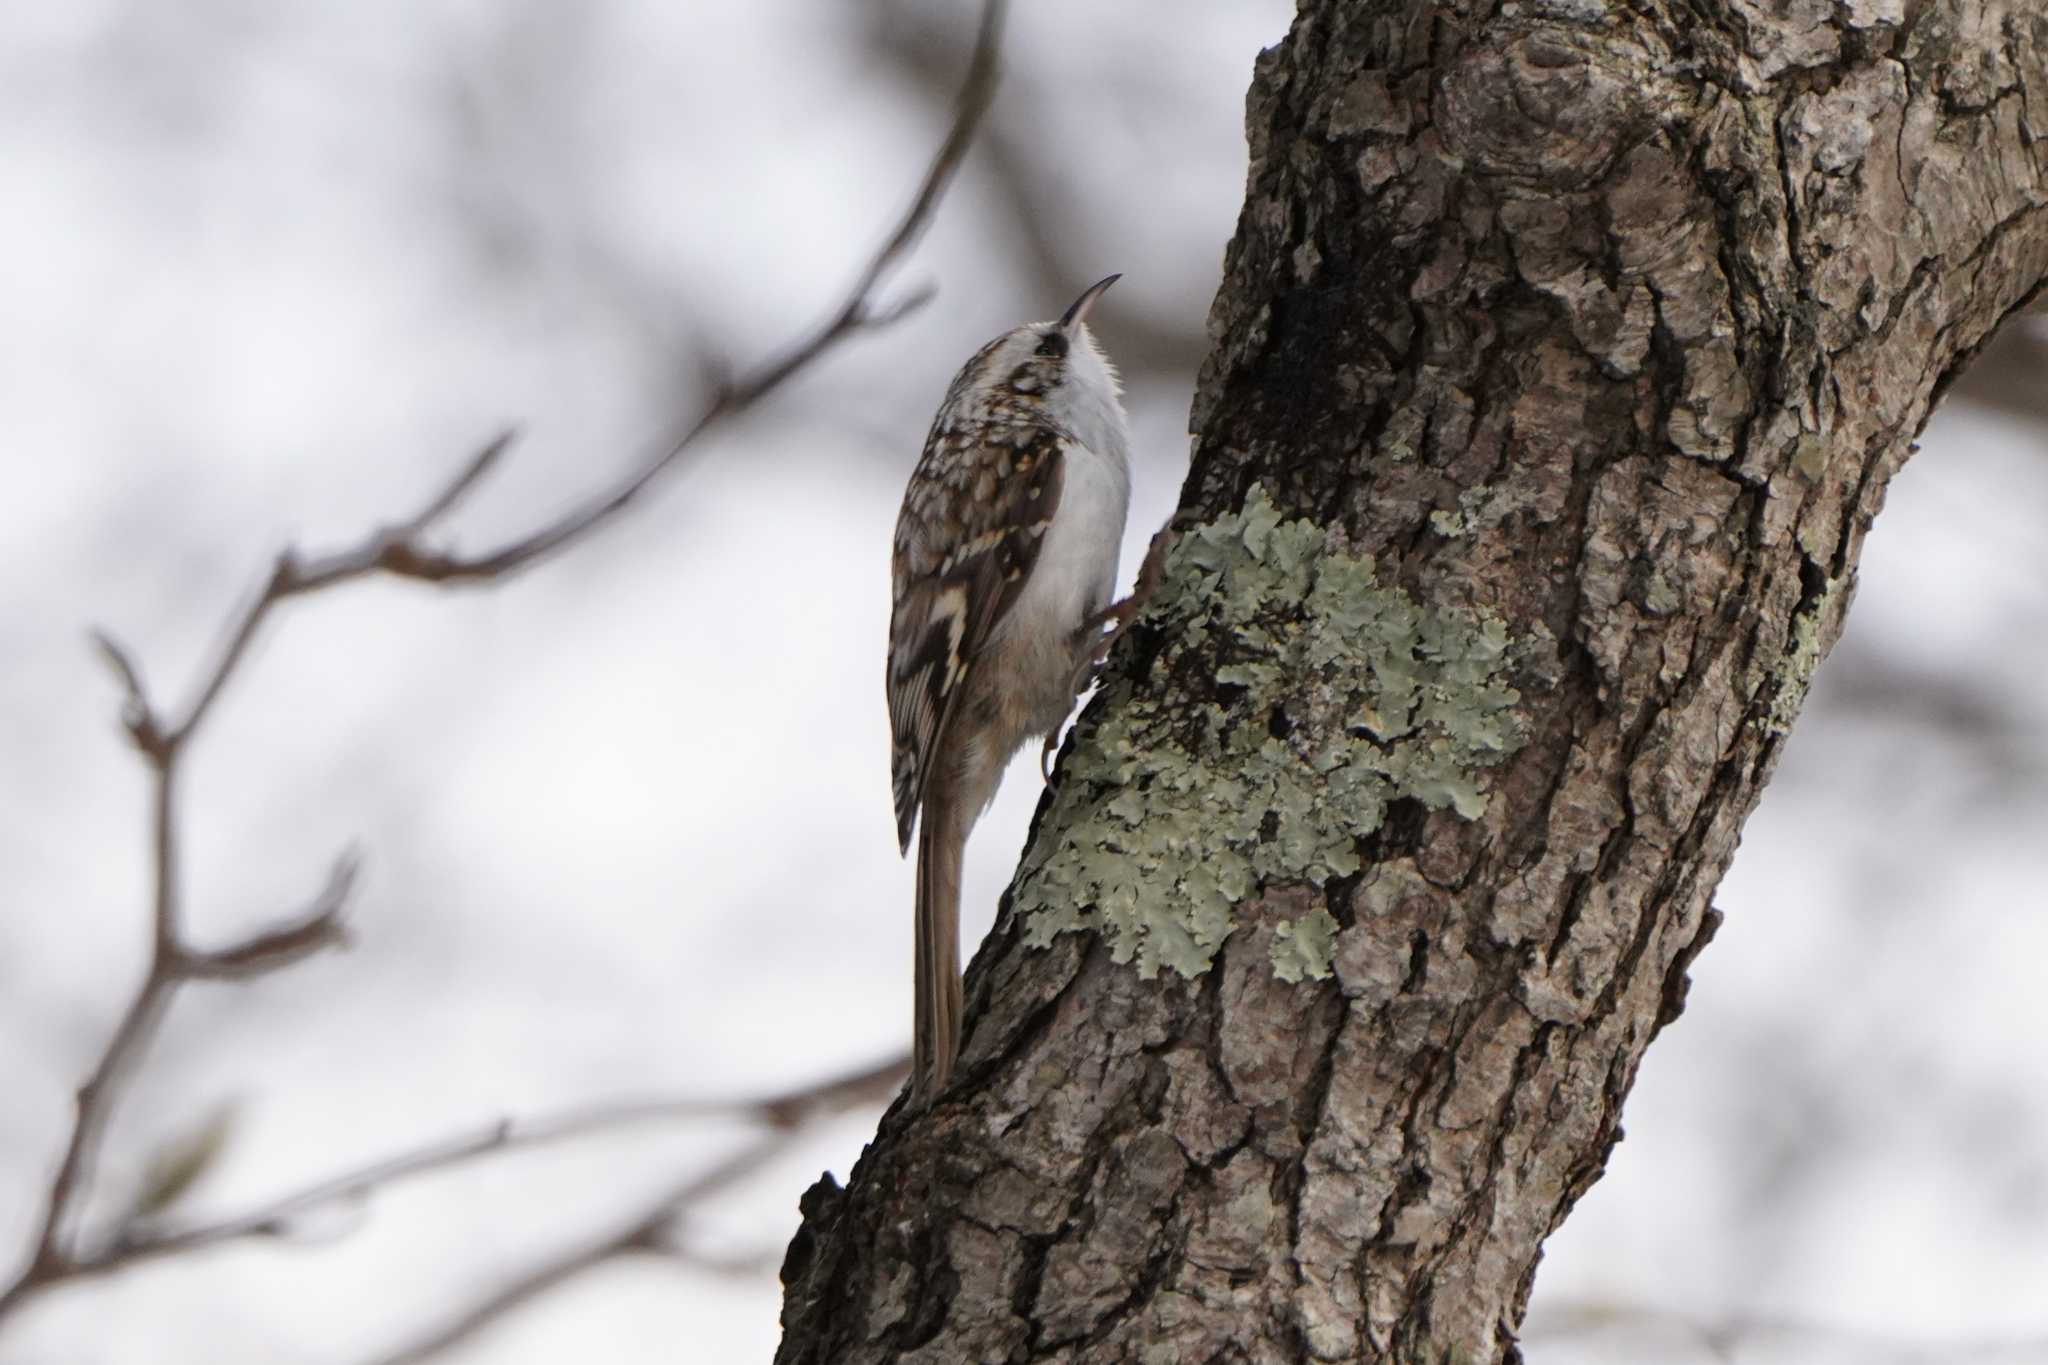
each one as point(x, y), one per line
point(270, 271)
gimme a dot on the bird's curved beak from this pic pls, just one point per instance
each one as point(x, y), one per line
point(1078, 314)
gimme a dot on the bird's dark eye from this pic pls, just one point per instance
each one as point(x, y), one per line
point(1055, 344)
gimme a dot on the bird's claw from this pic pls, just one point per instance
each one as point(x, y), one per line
point(1118, 617)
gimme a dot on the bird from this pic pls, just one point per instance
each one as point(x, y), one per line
point(1002, 573)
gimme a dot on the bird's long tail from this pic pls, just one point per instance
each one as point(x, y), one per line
point(936, 1041)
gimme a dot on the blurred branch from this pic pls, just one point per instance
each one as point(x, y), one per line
point(400, 550)
point(784, 1113)
point(171, 962)
point(319, 926)
point(405, 556)
point(1040, 209)
point(1726, 1338)
point(656, 1230)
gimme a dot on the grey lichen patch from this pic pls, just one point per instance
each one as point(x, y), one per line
point(1341, 696)
point(1793, 672)
point(1305, 947)
point(1481, 509)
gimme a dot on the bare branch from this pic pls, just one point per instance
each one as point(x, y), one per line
point(976, 93)
point(782, 1117)
point(480, 465)
point(657, 1230)
point(241, 633)
point(407, 558)
point(649, 1233)
point(319, 926)
point(170, 965)
point(784, 1113)
point(1029, 175)
point(136, 714)
point(398, 550)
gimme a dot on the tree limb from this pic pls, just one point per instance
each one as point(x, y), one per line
point(788, 1112)
point(1562, 357)
point(656, 1230)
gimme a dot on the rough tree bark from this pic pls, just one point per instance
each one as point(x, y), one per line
point(1561, 360)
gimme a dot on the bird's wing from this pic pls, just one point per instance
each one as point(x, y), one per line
point(973, 520)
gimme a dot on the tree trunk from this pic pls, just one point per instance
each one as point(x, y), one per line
point(1562, 357)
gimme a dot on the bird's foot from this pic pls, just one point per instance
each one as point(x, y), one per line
point(1117, 616)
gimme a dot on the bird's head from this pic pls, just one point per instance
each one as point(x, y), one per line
point(1053, 363)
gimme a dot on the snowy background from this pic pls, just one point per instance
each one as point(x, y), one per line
point(269, 271)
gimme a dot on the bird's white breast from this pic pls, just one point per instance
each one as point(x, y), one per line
point(1076, 569)
point(1076, 572)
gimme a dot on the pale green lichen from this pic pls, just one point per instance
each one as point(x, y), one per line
point(1478, 509)
point(1305, 947)
point(1793, 672)
point(1168, 817)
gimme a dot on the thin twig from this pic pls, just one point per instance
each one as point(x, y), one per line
point(171, 963)
point(319, 926)
point(655, 1230)
point(787, 1112)
point(406, 557)
point(399, 550)
point(650, 1232)
point(468, 477)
